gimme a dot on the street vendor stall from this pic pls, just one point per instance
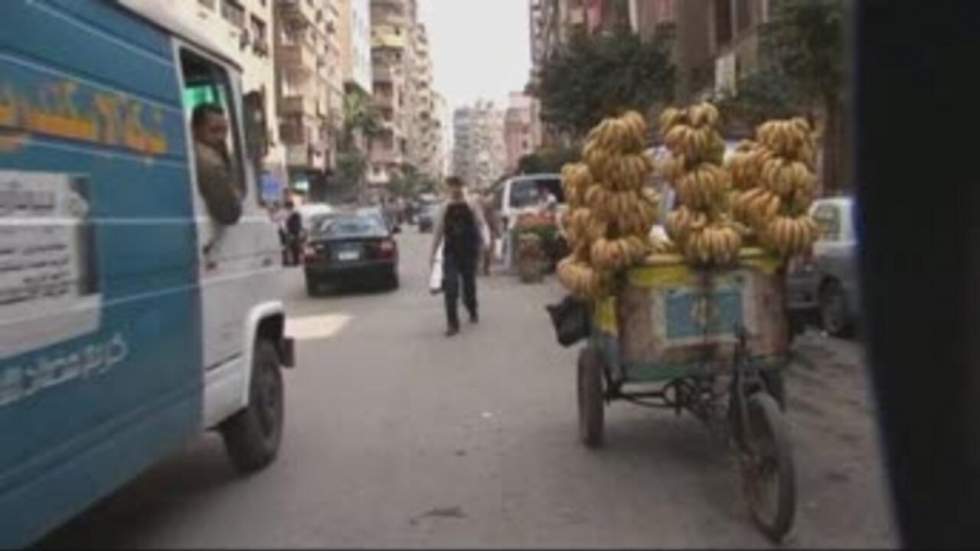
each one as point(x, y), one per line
point(699, 315)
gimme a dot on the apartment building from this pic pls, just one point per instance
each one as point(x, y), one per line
point(444, 124)
point(522, 128)
point(354, 34)
point(426, 131)
point(392, 35)
point(245, 29)
point(309, 89)
point(479, 151)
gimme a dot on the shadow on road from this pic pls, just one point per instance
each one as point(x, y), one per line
point(150, 502)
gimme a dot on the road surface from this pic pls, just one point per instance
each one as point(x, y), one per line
point(398, 437)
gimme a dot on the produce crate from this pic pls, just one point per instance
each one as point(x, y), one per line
point(671, 320)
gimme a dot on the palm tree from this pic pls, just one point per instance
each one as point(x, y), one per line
point(360, 116)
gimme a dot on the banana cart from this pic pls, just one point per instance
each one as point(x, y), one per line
point(709, 342)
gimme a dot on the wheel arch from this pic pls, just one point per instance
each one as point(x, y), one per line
point(265, 321)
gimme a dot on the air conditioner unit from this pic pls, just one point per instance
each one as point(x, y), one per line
point(244, 39)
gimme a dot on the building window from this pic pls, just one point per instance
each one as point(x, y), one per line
point(743, 14)
point(233, 12)
point(723, 22)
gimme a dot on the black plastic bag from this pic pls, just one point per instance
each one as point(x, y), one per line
point(571, 320)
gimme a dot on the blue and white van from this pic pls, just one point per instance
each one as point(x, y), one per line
point(130, 320)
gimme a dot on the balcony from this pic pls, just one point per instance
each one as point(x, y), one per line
point(306, 156)
point(297, 60)
point(298, 105)
point(297, 12)
point(383, 73)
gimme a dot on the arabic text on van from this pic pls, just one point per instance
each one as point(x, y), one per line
point(104, 117)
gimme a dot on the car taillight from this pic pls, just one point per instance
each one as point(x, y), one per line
point(387, 248)
point(309, 253)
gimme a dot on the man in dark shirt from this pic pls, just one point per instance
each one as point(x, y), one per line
point(460, 227)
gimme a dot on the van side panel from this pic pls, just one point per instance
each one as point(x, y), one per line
point(100, 315)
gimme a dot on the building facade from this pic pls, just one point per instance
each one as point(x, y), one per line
point(522, 128)
point(245, 28)
point(309, 89)
point(355, 43)
point(479, 151)
point(390, 50)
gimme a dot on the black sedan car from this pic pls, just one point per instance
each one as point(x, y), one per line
point(350, 247)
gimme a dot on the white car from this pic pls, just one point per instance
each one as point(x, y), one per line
point(308, 211)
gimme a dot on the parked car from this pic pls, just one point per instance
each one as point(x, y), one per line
point(309, 211)
point(347, 247)
point(826, 285)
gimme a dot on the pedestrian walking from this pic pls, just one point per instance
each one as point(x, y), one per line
point(294, 234)
point(462, 231)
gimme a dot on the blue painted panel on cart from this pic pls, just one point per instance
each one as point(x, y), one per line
point(694, 313)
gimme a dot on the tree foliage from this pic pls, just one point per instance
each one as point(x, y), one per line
point(409, 182)
point(602, 75)
point(360, 115)
point(545, 161)
point(805, 41)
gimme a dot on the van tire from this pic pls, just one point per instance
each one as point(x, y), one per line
point(253, 435)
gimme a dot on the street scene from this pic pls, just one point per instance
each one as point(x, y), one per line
point(395, 437)
point(433, 273)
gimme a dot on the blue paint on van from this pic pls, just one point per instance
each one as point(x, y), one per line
point(64, 446)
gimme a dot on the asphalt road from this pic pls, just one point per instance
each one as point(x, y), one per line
point(398, 437)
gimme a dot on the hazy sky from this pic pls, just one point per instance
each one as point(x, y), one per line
point(480, 48)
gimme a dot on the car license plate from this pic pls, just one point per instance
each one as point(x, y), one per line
point(348, 255)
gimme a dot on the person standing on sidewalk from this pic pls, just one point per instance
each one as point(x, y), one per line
point(493, 227)
point(294, 234)
point(461, 229)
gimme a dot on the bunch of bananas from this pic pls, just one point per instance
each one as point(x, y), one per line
point(778, 185)
point(745, 164)
point(692, 134)
point(790, 235)
point(700, 225)
point(616, 254)
point(577, 276)
point(575, 179)
point(704, 187)
point(717, 243)
point(789, 139)
point(611, 209)
point(625, 134)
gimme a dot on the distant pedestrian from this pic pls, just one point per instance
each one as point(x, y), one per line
point(294, 234)
point(493, 227)
point(462, 230)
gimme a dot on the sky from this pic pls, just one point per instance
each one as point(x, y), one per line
point(480, 48)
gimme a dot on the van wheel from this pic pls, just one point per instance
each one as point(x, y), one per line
point(252, 436)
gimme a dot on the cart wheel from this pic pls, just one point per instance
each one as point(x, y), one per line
point(590, 405)
point(767, 470)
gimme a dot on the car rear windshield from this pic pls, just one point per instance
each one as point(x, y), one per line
point(348, 226)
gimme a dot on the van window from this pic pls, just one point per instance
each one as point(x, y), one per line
point(207, 83)
point(828, 219)
point(524, 193)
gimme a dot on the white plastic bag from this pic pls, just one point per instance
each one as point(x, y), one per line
point(435, 278)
